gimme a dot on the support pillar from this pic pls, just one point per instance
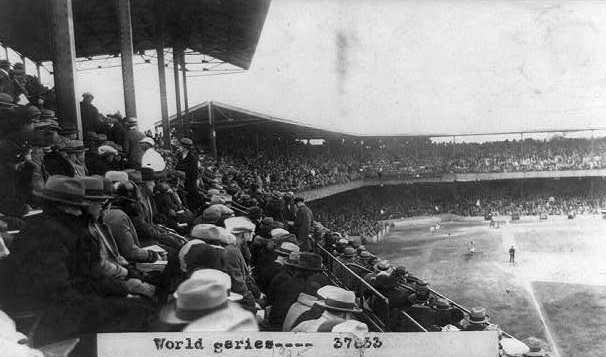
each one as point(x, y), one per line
point(162, 73)
point(126, 56)
point(522, 144)
point(187, 124)
point(23, 61)
point(6, 52)
point(176, 59)
point(454, 146)
point(38, 71)
point(212, 134)
point(64, 62)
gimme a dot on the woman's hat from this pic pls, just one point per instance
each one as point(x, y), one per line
point(477, 315)
point(63, 189)
point(195, 298)
point(340, 300)
point(286, 248)
point(93, 188)
point(305, 261)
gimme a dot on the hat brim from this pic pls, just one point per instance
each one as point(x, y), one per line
point(534, 354)
point(302, 267)
point(323, 305)
point(282, 252)
point(483, 321)
point(57, 199)
point(234, 296)
point(99, 198)
point(168, 314)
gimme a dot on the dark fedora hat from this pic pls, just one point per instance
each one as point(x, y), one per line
point(305, 261)
point(93, 188)
point(63, 189)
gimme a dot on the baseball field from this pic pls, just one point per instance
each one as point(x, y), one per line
point(555, 290)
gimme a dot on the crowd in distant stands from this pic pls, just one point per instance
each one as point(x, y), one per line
point(111, 225)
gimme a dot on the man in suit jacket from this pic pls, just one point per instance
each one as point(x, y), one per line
point(131, 146)
point(303, 224)
point(188, 163)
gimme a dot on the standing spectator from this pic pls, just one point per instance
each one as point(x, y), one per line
point(151, 158)
point(90, 115)
point(188, 163)
point(117, 130)
point(303, 224)
point(512, 254)
point(131, 146)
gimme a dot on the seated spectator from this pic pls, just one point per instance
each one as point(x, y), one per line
point(339, 307)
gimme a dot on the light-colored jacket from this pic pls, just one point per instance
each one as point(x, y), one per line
point(304, 303)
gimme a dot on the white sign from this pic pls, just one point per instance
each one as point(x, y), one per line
point(290, 344)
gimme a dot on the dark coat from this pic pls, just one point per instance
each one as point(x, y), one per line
point(189, 165)
point(283, 292)
point(95, 164)
point(274, 209)
point(126, 237)
point(58, 165)
point(53, 271)
point(303, 223)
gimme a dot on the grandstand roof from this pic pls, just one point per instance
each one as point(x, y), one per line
point(228, 30)
point(229, 118)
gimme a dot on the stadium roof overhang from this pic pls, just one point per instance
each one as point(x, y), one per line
point(227, 30)
point(230, 119)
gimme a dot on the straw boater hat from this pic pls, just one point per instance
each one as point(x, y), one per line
point(325, 291)
point(305, 261)
point(340, 300)
point(477, 315)
point(364, 255)
point(63, 189)
point(195, 298)
point(351, 326)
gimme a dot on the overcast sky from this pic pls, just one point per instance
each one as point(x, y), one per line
point(407, 67)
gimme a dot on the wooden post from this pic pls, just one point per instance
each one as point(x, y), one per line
point(64, 61)
point(126, 56)
point(187, 125)
point(176, 55)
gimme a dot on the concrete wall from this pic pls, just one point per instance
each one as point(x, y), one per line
point(316, 194)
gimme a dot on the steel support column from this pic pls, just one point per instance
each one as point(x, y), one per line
point(38, 70)
point(126, 56)
point(212, 134)
point(64, 62)
point(162, 73)
point(176, 59)
point(187, 124)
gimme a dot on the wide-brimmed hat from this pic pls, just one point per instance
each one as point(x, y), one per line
point(6, 98)
point(232, 319)
point(223, 210)
point(237, 225)
point(116, 176)
point(305, 261)
point(134, 175)
point(63, 189)
point(195, 298)
point(212, 233)
point(535, 348)
point(186, 142)
point(349, 252)
point(286, 248)
point(325, 291)
point(477, 315)
point(104, 150)
point(340, 300)
point(93, 188)
point(224, 278)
